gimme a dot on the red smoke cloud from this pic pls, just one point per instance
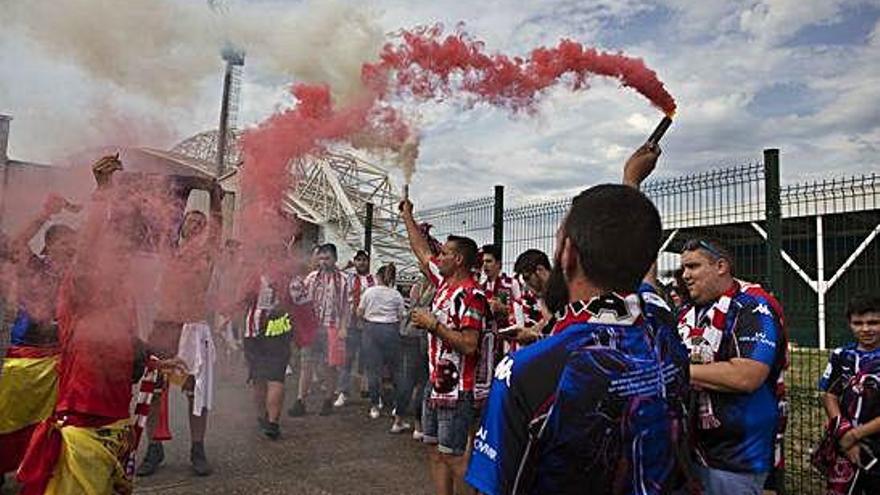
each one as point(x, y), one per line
point(425, 61)
point(426, 64)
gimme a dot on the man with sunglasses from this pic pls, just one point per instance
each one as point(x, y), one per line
point(738, 352)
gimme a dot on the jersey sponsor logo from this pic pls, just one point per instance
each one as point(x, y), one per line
point(504, 370)
point(762, 309)
point(760, 338)
point(481, 446)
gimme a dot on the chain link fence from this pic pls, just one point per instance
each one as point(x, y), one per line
point(828, 254)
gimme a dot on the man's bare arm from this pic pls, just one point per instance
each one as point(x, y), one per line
point(635, 171)
point(51, 207)
point(465, 341)
point(739, 375)
point(417, 242)
point(831, 404)
point(640, 164)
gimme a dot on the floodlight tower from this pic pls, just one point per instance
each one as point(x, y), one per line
point(234, 59)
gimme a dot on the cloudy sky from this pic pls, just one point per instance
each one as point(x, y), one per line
point(800, 75)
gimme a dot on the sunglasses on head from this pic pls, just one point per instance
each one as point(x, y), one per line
point(694, 244)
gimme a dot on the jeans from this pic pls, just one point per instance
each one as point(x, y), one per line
point(353, 351)
point(718, 482)
point(449, 427)
point(411, 375)
point(381, 346)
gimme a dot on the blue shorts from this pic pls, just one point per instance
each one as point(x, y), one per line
point(449, 427)
point(718, 482)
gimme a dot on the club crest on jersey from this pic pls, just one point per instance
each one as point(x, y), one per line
point(762, 309)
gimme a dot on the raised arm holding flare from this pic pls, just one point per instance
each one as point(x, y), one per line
point(417, 242)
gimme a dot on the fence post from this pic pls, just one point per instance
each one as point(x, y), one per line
point(773, 212)
point(498, 223)
point(368, 228)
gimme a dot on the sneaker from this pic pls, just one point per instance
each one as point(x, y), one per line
point(326, 408)
point(374, 412)
point(155, 456)
point(272, 430)
point(340, 401)
point(418, 435)
point(399, 427)
point(199, 462)
point(380, 404)
point(298, 409)
point(262, 422)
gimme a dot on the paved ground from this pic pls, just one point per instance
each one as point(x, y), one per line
point(347, 453)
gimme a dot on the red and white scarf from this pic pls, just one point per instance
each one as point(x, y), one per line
point(702, 333)
point(142, 405)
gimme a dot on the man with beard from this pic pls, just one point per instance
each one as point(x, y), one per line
point(183, 311)
point(456, 366)
point(28, 379)
point(598, 406)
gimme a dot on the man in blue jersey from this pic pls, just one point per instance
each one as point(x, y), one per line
point(737, 349)
point(597, 407)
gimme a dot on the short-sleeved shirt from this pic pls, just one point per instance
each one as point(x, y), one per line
point(508, 290)
point(327, 290)
point(267, 306)
point(459, 306)
point(532, 308)
point(382, 304)
point(546, 422)
point(738, 325)
point(357, 285)
point(852, 374)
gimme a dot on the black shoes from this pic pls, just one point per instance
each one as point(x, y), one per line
point(326, 408)
point(199, 462)
point(298, 409)
point(155, 456)
point(272, 430)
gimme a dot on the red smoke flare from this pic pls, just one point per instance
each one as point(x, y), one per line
point(426, 60)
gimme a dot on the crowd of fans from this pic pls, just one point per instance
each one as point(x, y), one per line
point(577, 374)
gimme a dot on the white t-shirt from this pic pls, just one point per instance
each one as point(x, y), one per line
point(382, 305)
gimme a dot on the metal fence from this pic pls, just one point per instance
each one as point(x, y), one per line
point(825, 232)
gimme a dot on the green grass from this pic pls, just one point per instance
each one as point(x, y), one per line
point(805, 420)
